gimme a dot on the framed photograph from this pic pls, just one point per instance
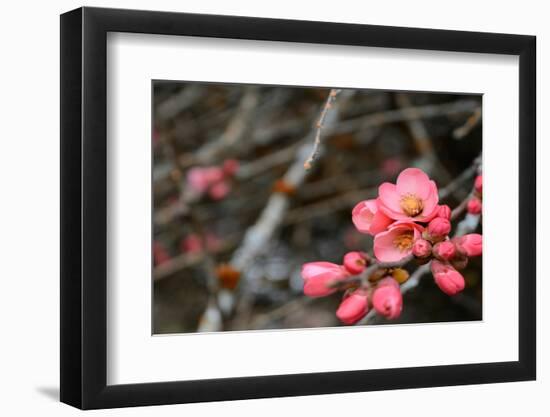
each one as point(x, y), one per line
point(258, 208)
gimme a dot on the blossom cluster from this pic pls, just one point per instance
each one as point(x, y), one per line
point(407, 222)
point(213, 181)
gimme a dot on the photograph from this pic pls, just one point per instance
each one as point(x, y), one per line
point(294, 207)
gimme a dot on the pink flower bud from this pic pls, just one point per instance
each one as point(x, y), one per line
point(470, 245)
point(422, 248)
point(387, 299)
point(439, 227)
point(197, 179)
point(160, 253)
point(353, 307)
point(230, 167)
point(444, 250)
point(474, 206)
point(200, 179)
point(191, 243)
point(478, 184)
point(318, 277)
point(213, 174)
point(444, 211)
point(219, 190)
point(448, 279)
point(355, 262)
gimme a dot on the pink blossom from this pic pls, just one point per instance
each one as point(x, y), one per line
point(478, 184)
point(422, 248)
point(391, 166)
point(353, 307)
point(160, 253)
point(470, 245)
point(448, 279)
point(444, 250)
point(193, 243)
point(213, 174)
point(201, 179)
point(387, 299)
point(397, 242)
point(474, 206)
point(198, 180)
point(444, 211)
point(319, 275)
point(368, 218)
point(355, 262)
point(230, 167)
point(219, 190)
point(413, 197)
point(439, 227)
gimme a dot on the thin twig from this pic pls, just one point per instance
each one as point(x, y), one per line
point(406, 114)
point(320, 124)
point(471, 123)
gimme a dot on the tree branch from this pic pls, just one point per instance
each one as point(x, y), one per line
point(320, 125)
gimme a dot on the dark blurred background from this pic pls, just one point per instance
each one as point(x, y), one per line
point(209, 275)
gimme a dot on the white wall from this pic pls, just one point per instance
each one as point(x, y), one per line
point(29, 241)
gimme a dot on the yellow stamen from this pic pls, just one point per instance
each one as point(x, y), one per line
point(404, 241)
point(411, 205)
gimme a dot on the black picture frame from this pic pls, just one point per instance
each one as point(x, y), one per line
point(84, 207)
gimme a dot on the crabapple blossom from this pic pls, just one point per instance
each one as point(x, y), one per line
point(353, 307)
point(230, 167)
point(444, 211)
point(470, 245)
point(478, 184)
point(414, 197)
point(406, 221)
point(199, 179)
point(193, 243)
point(444, 250)
point(355, 262)
point(422, 248)
point(318, 277)
point(447, 278)
point(160, 254)
point(397, 242)
point(474, 206)
point(219, 190)
point(387, 299)
point(368, 218)
point(213, 179)
point(439, 228)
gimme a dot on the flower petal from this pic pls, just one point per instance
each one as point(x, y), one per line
point(413, 181)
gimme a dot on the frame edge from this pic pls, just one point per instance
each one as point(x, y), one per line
point(70, 215)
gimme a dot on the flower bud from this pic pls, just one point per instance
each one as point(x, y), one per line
point(422, 248)
point(219, 190)
point(230, 167)
point(445, 250)
point(439, 228)
point(444, 211)
point(448, 279)
point(474, 206)
point(354, 262)
point(319, 276)
point(478, 184)
point(400, 275)
point(470, 245)
point(353, 307)
point(387, 299)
